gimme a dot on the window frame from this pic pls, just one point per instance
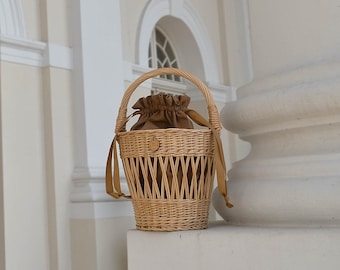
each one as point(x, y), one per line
point(160, 45)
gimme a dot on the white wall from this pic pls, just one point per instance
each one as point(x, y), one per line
point(64, 67)
point(37, 136)
point(25, 201)
point(280, 43)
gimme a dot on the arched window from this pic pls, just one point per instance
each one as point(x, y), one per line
point(161, 53)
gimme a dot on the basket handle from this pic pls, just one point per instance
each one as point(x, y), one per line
point(113, 187)
point(214, 117)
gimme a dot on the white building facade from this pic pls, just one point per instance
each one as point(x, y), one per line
point(273, 70)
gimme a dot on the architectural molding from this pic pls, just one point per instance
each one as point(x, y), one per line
point(58, 56)
point(220, 93)
point(34, 53)
point(299, 98)
point(90, 200)
point(303, 76)
point(182, 10)
point(22, 51)
point(291, 175)
point(12, 18)
point(16, 48)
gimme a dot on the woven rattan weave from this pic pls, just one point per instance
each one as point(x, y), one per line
point(170, 172)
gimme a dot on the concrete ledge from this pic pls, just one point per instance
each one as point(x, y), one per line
point(239, 248)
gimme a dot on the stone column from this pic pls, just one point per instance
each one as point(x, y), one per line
point(98, 222)
point(290, 114)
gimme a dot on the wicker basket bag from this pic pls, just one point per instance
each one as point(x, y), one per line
point(170, 172)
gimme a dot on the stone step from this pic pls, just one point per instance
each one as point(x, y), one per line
point(223, 246)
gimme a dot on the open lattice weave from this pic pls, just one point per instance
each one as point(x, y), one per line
point(170, 172)
point(170, 175)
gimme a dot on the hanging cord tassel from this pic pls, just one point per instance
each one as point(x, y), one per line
point(219, 156)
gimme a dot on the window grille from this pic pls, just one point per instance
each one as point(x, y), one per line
point(162, 54)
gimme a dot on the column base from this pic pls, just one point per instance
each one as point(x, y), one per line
point(282, 202)
point(224, 246)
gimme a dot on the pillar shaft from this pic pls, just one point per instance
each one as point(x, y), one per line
point(290, 114)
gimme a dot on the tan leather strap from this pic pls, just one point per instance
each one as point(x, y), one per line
point(219, 156)
point(113, 183)
point(113, 187)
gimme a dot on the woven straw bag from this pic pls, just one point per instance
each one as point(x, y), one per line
point(180, 201)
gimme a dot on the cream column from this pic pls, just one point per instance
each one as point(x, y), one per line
point(98, 222)
point(290, 114)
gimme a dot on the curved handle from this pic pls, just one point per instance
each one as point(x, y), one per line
point(214, 117)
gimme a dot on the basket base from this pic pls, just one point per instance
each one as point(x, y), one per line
point(171, 215)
